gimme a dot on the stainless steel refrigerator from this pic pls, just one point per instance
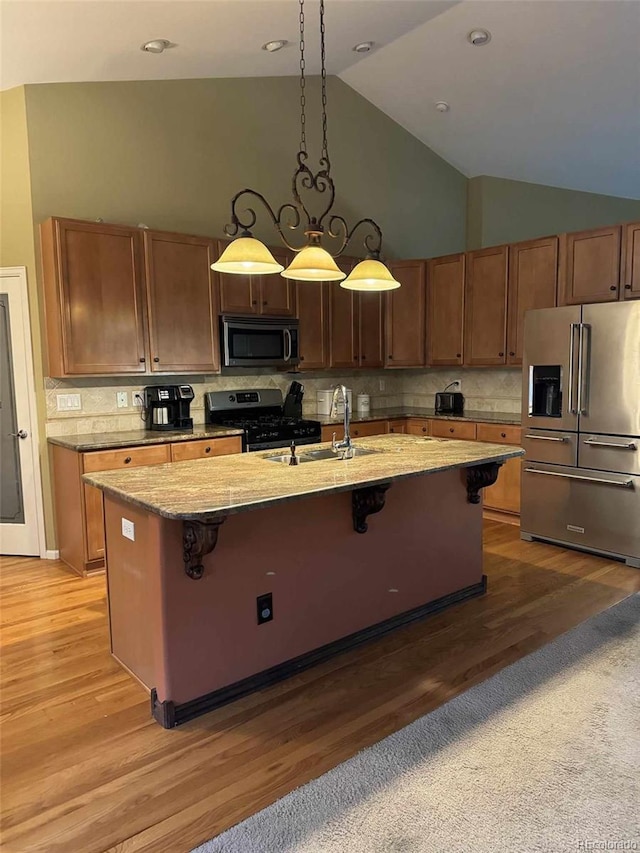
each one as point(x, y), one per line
point(581, 428)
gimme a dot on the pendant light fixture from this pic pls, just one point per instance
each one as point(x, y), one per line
point(246, 255)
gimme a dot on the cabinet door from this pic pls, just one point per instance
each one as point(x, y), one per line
point(205, 448)
point(418, 426)
point(533, 280)
point(182, 303)
point(94, 298)
point(590, 265)
point(630, 280)
point(398, 427)
point(343, 326)
point(94, 522)
point(312, 299)
point(277, 294)
point(486, 306)
point(445, 297)
point(504, 495)
point(239, 294)
point(406, 316)
point(371, 329)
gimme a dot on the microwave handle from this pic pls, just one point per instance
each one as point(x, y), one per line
point(288, 346)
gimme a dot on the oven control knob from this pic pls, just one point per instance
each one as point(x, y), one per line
point(231, 398)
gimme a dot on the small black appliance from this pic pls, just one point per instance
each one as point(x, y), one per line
point(292, 407)
point(167, 407)
point(449, 403)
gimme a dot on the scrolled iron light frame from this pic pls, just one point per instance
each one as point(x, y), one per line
point(289, 215)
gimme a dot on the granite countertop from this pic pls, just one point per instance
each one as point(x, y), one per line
point(210, 488)
point(108, 440)
point(417, 412)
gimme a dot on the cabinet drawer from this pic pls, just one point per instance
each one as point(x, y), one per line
point(453, 429)
point(202, 449)
point(418, 426)
point(125, 457)
point(368, 428)
point(398, 427)
point(498, 433)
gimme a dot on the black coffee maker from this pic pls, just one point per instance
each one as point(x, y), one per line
point(166, 407)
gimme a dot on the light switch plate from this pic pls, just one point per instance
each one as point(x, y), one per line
point(122, 399)
point(128, 529)
point(68, 402)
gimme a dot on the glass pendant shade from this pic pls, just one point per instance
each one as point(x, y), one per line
point(313, 263)
point(247, 256)
point(370, 275)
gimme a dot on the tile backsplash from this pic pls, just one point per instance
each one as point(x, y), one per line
point(485, 389)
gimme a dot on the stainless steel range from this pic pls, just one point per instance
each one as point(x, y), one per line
point(260, 414)
point(581, 419)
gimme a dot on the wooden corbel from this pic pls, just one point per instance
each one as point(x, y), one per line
point(366, 502)
point(199, 538)
point(480, 477)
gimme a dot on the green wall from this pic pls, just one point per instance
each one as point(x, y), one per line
point(172, 153)
point(504, 211)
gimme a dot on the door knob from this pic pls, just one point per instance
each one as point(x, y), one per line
point(22, 433)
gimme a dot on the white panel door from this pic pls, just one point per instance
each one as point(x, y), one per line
point(20, 489)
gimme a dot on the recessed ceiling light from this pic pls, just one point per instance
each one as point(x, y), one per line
point(156, 46)
point(363, 47)
point(273, 46)
point(442, 106)
point(479, 37)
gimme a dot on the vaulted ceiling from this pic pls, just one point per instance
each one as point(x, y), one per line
point(553, 98)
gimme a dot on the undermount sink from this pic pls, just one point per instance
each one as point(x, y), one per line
point(321, 455)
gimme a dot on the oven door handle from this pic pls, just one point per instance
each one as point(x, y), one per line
point(545, 437)
point(625, 484)
point(288, 345)
point(630, 446)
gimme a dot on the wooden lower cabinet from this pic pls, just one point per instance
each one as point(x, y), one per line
point(358, 430)
point(79, 507)
point(464, 430)
point(418, 426)
point(398, 427)
point(504, 495)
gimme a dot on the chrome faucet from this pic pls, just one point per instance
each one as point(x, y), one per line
point(345, 444)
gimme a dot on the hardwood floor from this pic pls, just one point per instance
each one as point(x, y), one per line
point(85, 769)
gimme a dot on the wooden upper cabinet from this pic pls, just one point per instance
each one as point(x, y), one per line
point(277, 294)
point(182, 302)
point(312, 299)
point(270, 295)
point(486, 307)
point(533, 282)
point(590, 266)
point(406, 316)
point(94, 296)
point(371, 329)
point(344, 346)
point(630, 279)
point(445, 299)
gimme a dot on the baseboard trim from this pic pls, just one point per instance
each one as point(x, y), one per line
point(169, 714)
point(51, 555)
point(504, 517)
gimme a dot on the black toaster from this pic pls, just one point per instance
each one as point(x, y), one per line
point(449, 403)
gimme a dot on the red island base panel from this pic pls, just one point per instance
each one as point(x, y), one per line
point(197, 644)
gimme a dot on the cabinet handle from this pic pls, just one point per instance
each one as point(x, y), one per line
point(424, 429)
point(390, 358)
point(142, 361)
point(301, 358)
point(627, 287)
point(355, 432)
point(127, 459)
point(264, 302)
point(207, 450)
point(254, 301)
point(392, 429)
point(500, 354)
point(613, 287)
point(156, 359)
point(451, 429)
point(458, 355)
point(503, 435)
point(364, 358)
point(512, 354)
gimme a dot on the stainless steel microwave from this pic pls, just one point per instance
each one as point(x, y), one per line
point(259, 341)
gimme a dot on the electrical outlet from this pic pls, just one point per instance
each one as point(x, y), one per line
point(381, 384)
point(128, 529)
point(456, 385)
point(265, 608)
point(122, 399)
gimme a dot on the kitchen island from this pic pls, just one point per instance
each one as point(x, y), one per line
point(225, 575)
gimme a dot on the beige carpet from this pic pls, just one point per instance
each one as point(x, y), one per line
point(544, 756)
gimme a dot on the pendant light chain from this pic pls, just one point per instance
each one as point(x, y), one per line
point(303, 100)
point(323, 73)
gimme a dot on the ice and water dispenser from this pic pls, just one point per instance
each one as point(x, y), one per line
point(545, 388)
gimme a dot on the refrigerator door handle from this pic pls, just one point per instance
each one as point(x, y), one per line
point(625, 484)
point(546, 437)
point(583, 368)
point(630, 446)
point(572, 338)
